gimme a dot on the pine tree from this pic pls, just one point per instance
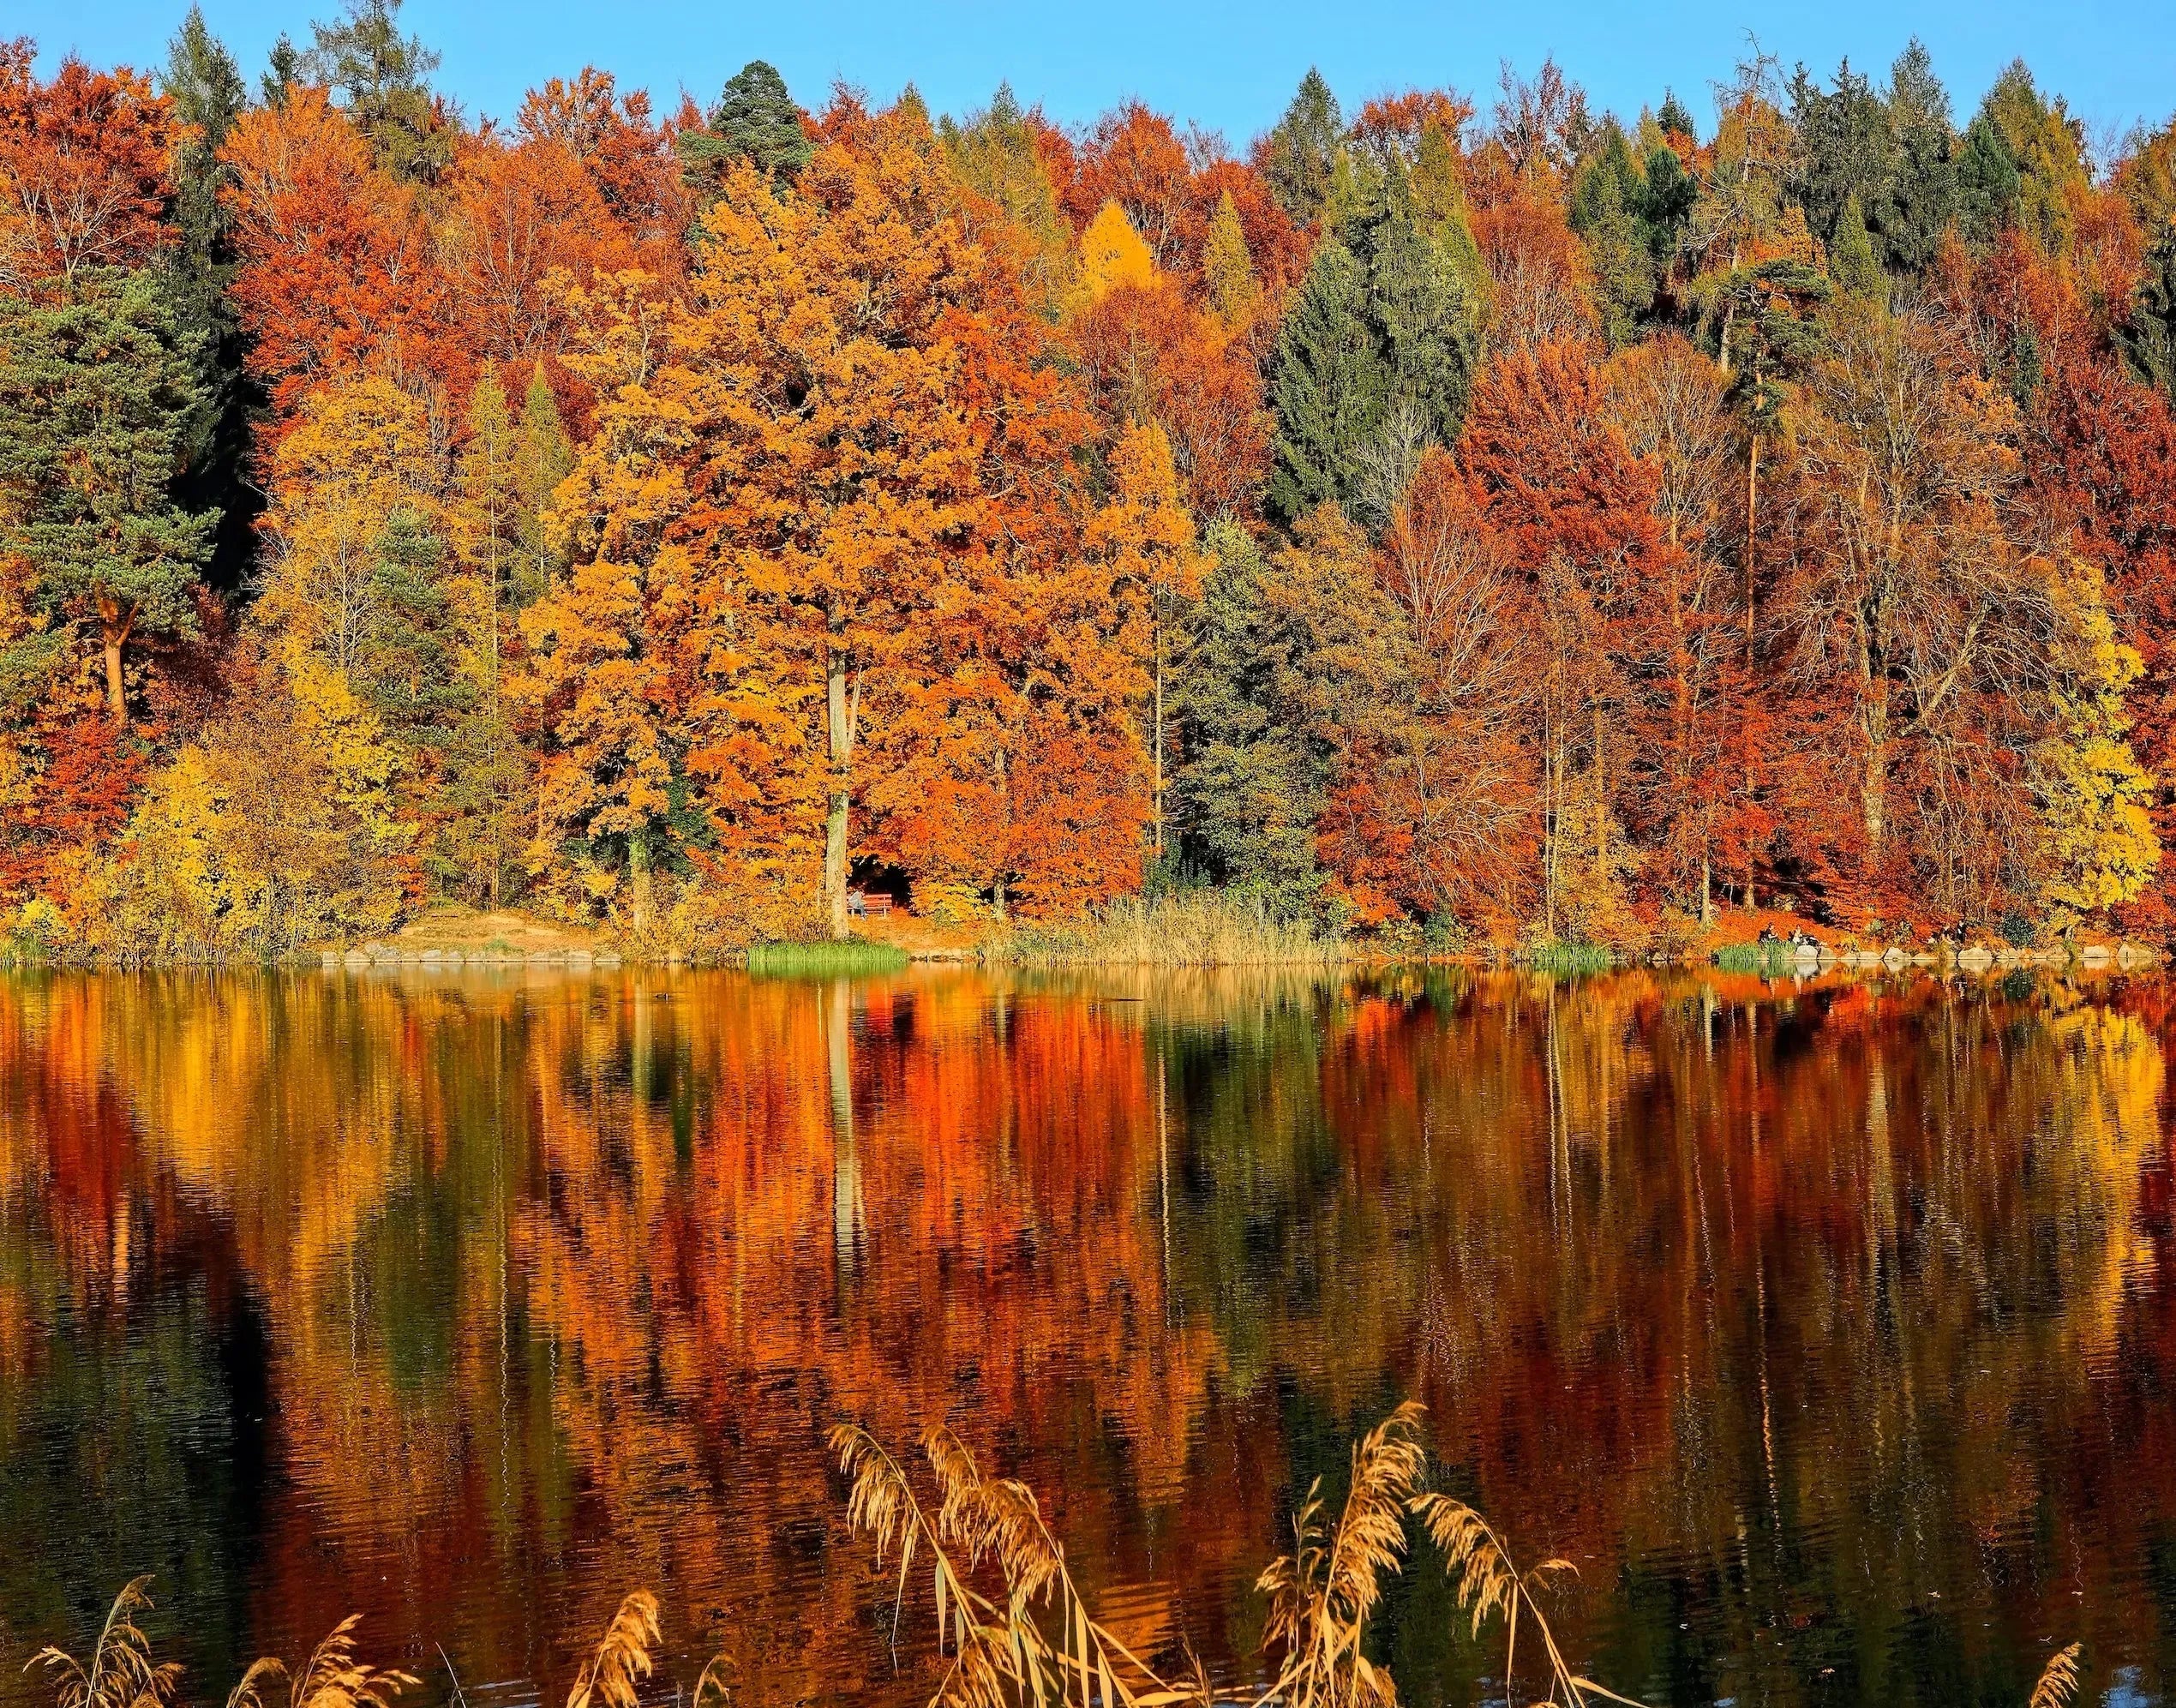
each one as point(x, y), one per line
point(1328, 384)
point(754, 119)
point(1299, 157)
point(1673, 119)
point(97, 396)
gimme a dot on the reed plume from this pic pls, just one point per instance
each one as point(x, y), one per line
point(1002, 1656)
point(331, 1678)
point(2057, 1679)
point(1322, 1594)
point(1487, 1583)
point(120, 1674)
point(609, 1678)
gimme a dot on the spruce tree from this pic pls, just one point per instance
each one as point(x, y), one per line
point(1845, 149)
point(1987, 184)
point(1299, 157)
point(207, 94)
point(1921, 197)
point(1664, 203)
point(755, 120)
point(1426, 322)
point(1364, 378)
point(1603, 195)
point(1851, 258)
point(97, 396)
point(1328, 384)
point(409, 666)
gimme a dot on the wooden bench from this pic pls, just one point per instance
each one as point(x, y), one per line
point(863, 904)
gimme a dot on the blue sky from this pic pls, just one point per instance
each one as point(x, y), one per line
point(1230, 66)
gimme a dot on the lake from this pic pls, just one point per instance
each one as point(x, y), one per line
point(1826, 1326)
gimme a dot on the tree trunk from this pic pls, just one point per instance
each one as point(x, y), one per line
point(1601, 806)
point(1875, 792)
point(639, 875)
point(114, 624)
point(840, 720)
point(1159, 743)
point(1751, 673)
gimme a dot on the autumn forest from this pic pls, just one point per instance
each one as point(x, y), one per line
point(1464, 518)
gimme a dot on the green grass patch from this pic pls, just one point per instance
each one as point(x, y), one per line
point(834, 960)
point(1755, 957)
point(1569, 957)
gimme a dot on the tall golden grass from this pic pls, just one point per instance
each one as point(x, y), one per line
point(120, 1672)
point(1038, 1643)
point(1026, 1635)
point(1195, 928)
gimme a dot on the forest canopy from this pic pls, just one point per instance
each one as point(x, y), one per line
point(1473, 517)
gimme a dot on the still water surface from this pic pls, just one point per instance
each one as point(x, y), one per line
point(1827, 1327)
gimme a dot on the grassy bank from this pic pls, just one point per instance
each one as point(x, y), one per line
point(836, 960)
point(1755, 957)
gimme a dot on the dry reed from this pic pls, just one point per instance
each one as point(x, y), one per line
point(1198, 928)
point(120, 1673)
point(1001, 1655)
point(621, 1661)
point(1322, 1594)
point(331, 1678)
point(2057, 1679)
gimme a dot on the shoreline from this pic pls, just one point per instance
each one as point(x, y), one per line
point(2124, 956)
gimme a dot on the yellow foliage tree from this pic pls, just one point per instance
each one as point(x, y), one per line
point(360, 452)
point(1112, 254)
point(2097, 838)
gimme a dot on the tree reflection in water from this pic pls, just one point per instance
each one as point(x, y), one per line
point(1823, 1326)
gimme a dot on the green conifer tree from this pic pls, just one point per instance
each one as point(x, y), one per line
point(1299, 157)
point(1987, 184)
point(1921, 197)
point(1604, 194)
point(384, 78)
point(97, 396)
point(207, 94)
point(1328, 383)
point(1851, 261)
point(754, 119)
